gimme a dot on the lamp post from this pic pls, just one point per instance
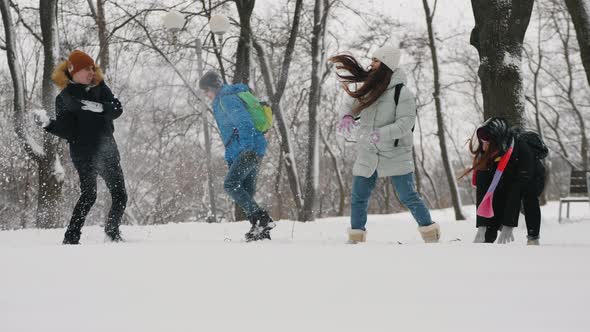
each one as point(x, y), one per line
point(219, 25)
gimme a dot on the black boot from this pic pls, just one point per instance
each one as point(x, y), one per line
point(265, 221)
point(532, 240)
point(265, 235)
point(71, 237)
point(253, 233)
point(262, 223)
point(114, 236)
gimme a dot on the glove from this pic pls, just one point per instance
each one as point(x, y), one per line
point(41, 119)
point(92, 106)
point(346, 125)
point(480, 236)
point(506, 235)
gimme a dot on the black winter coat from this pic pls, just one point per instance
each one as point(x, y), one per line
point(88, 133)
point(517, 180)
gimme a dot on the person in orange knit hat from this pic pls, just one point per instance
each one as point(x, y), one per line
point(85, 109)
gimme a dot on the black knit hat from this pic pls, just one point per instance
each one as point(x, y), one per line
point(211, 80)
point(497, 130)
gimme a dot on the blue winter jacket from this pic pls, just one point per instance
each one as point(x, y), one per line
point(235, 124)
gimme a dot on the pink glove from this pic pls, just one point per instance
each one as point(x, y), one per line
point(346, 125)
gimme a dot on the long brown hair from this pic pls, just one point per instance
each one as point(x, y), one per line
point(375, 82)
point(481, 159)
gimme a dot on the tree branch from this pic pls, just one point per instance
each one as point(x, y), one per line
point(176, 70)
point(282, 83)
point(93, 10)
point(434, 9)
point(21, 20)
point(33, 150)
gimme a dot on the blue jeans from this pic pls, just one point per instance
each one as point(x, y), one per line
point(362, 188)
point(240, 181)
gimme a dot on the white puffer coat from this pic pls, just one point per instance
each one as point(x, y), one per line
point(393, 123)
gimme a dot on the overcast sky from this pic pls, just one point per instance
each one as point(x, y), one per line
point(453, 13)
point(450, 14)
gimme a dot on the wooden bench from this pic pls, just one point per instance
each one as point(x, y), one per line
point(578, 190)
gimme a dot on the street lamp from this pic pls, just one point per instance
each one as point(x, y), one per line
point(173, 21)
point(219, 25)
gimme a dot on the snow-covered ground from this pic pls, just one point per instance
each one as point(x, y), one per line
point(200, 277)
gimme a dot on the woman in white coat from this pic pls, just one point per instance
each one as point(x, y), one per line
point(386, 108)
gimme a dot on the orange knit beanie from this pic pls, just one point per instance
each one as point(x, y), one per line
point(79, 60)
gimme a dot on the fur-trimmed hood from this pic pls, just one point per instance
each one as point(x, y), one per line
point(61, 78)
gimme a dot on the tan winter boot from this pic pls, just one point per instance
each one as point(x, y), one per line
point(356, 236)
point(430, 233)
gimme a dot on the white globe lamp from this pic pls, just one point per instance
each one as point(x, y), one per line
point(173, 21)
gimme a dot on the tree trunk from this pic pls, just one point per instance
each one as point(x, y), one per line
point(212, 215)
point(275, 92)
point(498, 35)
point(320, 11)
point(104, 54)
point(437, 203)
point(17, 81)
point(278, 195)
point(286, 140)
point(451, 179)
point(242, 70)
point(98, 14)
point(536, 72)
point(565, 36)
point(51, 172)
point(417, 172)
point(580, 13)
point(339, 179)
point(577, 112)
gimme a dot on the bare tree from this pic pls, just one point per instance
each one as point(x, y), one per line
point(498, 35)
point(535, 66)
point(98, 14)
point(338, 171)
point(454, 188)
point(50, 171)
point(320, 15)
point(565, 36)
point(275, 92)
point(17, 82)
point(242, 69)
point(51, 175)
point(580, 14)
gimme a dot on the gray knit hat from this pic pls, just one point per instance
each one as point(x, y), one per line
point(211, 80)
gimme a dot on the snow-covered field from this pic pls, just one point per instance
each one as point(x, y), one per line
point(200, 277)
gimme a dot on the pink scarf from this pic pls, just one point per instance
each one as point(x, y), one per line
point(485, 208)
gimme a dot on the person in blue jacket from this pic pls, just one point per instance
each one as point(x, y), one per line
point(245, 147)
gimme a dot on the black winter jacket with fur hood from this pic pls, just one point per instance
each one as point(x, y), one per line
point(88, 133)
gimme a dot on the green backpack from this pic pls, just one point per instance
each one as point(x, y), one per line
point(260, 112)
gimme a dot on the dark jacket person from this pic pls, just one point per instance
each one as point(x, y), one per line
point(85, 109)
